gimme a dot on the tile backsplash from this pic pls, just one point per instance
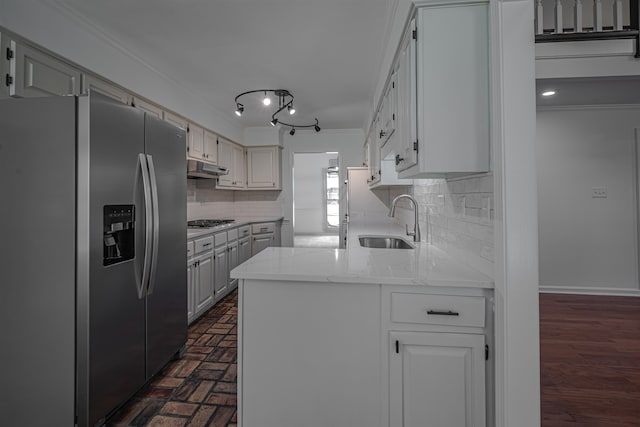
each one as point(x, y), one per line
point(205, 201)
point(457, 216)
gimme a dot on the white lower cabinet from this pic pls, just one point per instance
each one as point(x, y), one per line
point(221, 271)
point(232, 248)
point(204, 288)
point(244, 250)
point(363, 355)
point(436, 379)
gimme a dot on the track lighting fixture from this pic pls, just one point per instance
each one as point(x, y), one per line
point(293, 127)
point(266, 100)
point(285, 100)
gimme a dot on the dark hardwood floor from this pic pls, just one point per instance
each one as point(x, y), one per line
point(589, 360)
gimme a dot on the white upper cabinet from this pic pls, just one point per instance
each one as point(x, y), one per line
point(147, 107)
point(387, 120)
point(231, 156)
point(239, 169)
point(33, 73)
point(405, 140)
point(210, 147)
point(195, 142)
point(452, 91)
point(263, 167)
point(94, 84)
point(5, 61)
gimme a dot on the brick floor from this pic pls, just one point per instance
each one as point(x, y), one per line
point(199, 389)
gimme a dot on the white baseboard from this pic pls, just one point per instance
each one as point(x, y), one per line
point(589, 291)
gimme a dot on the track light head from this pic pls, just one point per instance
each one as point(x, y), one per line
point(239, 110)
point(266, 100)
point(316, 127)
point(291, 109)
point(274, 122)
point(292, 131)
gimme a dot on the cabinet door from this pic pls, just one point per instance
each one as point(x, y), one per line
point(244, 250)
point(389, 111)
point(94, 84)
point(436, 379)
point(211, 147)
point(263, 166)
point(195, 142)
point(261, 242)
point(204, 286)
point(374, 160)
point(191, 291)
point(233, 259)
point(5, 71)
point(239, 173)
point(406, 153)
point(225, 159)
point(221, 271)
point(37, 74)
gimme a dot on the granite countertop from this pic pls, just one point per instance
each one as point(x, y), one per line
point(425, 265)
point(197, 232)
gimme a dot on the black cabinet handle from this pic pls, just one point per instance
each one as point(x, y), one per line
point(398, 159)
point(443, 313)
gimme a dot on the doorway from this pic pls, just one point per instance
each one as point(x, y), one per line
point(316, 200)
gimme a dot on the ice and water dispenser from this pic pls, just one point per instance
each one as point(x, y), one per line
point(118, 234)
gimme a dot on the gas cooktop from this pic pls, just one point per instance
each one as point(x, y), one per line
point(208, 223)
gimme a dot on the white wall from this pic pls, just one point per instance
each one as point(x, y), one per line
point(348, 143)
point(309, 171)
point(67, 35)
point(587, 243)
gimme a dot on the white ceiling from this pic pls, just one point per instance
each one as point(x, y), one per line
point(326, 52)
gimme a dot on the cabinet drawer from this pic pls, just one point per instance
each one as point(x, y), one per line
point(220, 238)
point(244, 231)
point(265, 227)
point(204, 244)
point(190, 249)
point(232, 234)
point(437, 309)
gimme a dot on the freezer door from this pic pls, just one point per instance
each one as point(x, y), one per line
point(111, 314)
point(37, 261)
point(167, 290)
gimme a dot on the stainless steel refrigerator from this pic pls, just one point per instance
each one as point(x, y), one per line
point(93, 295)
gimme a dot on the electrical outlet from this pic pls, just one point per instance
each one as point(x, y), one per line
point(599, 192)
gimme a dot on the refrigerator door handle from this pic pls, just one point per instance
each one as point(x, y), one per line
point(156, 224)
point(148, 209)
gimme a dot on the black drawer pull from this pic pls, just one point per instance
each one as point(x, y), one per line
point(443, 313)
point(206, 244)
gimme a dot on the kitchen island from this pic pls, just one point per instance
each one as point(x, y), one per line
point(363, 337)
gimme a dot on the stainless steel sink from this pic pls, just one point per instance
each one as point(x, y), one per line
point(384, 242)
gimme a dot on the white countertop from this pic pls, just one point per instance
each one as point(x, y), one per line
point(424, 266)
point(197, 232)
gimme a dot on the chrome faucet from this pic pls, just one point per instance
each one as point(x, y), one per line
point(416, 226)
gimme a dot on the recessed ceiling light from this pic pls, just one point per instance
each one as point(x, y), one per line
point(548, 93)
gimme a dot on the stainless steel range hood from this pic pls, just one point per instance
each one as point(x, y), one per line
point(197, 169)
